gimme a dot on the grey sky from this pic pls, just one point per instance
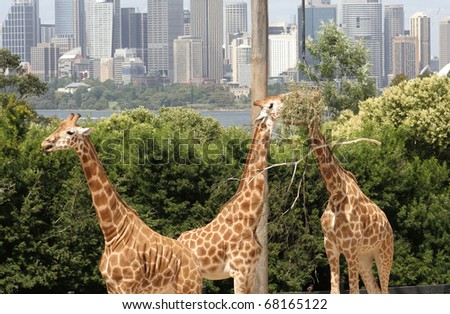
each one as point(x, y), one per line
point(283, 11)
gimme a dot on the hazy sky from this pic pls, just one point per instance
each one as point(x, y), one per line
point(282, 11)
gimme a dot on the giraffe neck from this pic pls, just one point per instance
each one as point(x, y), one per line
point(331, 171)
point(111, 210)
point(254, 174)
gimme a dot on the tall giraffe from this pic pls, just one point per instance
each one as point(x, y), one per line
point(135, 259)
point(352, 224)
point(228, 246)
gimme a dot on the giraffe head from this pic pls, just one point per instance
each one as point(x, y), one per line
point(67, 136)
point(271, 107)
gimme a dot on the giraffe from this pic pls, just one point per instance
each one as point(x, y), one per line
point(352, 224)
point(228, 246)
point(135, 259)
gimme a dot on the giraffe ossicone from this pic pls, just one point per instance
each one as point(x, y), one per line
point(135, 259)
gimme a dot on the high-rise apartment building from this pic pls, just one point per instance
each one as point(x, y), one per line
point(188, 66)
point(420, 28)
point(404, 56)
point(165, 24)
point(99, 28)
point(444, 42)
point(44, 61)
point(240, 53)
point(283, 52)
point(21, 29)
point(316, 13)
point(207, 24)
point(362, 20)
point(394, 25)
point(103, 31)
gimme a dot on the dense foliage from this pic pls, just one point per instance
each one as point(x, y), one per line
point(340, 66)
point(177, 168)
point(107, 95)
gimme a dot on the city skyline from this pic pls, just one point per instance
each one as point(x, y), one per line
point(282, 11)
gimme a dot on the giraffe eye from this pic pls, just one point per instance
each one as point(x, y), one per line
point(70, 132)
point(271, 105)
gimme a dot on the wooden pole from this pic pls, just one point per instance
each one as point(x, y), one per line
point(259, 58)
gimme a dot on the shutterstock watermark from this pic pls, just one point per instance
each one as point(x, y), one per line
point(192, 149)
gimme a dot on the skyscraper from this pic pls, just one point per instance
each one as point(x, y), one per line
point(207, 23)
point(235, 22)
point(361, 20)
point(394, 25)
point(444, 42)
point(165, 24)
point(188, 65)
point(44, 61)
point(283, 52)
point(316, 13)
point(70, 21)
point(103, 31)
point(134, 32)
point(99, 28)
point(236, 17)
point(420, 28)
point(21, 29)
point(404, 56)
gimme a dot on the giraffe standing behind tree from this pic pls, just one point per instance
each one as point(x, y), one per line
point(135, 259)
point(352, 224)
point(228, 246)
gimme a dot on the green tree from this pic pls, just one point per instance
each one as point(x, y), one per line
point(13, 79)
point(341, 67)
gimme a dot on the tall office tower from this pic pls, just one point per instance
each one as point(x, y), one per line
point(404, 56)
point(1, 35)
point(394, 25)
point(444, 42)
point(235, 22)
point(316, 13)
point(283, 52)
point(117, 27)
point(361, 20)
point(187, 22)
point(236, 17)
point(207, 23)
point(165, 24)
point(188, 65)
point(44, 61)
point(47, 33)
point(21, 29)
point(420, 27)
point(240, 53)
point(134, 32)
point(102, 27)
point(70, 21)
point(99, 28)
point(127, 31)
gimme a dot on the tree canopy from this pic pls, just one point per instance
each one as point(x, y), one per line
point(340, 66)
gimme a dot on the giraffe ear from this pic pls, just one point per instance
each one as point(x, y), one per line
point(85, 131)
point(262, 116)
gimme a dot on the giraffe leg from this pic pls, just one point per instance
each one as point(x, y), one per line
point(243, 281)
point(333, 259)
point(384, 260)
point(365, 270)
point(353, 275)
